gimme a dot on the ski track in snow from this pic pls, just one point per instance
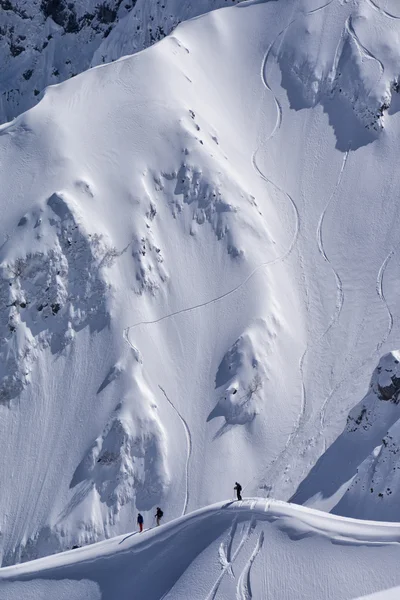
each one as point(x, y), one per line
point(340, 293)
point(230, 541)
point(229, 292)
point(228, 567)
point(225, 549)
point(265, 178)
point(349, 27)
point(275, 464)
point(243, 591)
point(320, 242)
point(364, 50)
point(381, 294)
point(189, 448)
point(280, 258)
point(382, 11)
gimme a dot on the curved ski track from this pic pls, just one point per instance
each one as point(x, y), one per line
point(321, 248)
point(189, 449)
point(228, 567)
point(243, 591)
point(280, 258)
point(352, 32)
point(349, 27)
point(383, 12)
point(379, 282)
point(381, 294)
point(276, 462)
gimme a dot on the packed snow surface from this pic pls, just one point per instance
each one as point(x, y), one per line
point(199, 273)
point(256, 548)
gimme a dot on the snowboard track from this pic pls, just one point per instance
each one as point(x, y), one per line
point(189, 448)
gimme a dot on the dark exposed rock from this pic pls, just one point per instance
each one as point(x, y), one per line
point(16, 49)
point(105, 14)
point(391, 392)
point(55, 9)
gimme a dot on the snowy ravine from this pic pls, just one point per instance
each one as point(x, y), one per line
point(198, 268)
point(44, 42)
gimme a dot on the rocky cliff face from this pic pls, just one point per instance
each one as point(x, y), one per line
point(373, 492)
point(358, 476)
point(44, 42)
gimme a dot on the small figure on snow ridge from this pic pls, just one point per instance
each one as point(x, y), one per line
point(140, 522)
point(158, 515)
point(238, 490)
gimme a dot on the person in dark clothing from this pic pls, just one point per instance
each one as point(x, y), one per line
point(158, 515)
point(140, 522)
point(238, 490)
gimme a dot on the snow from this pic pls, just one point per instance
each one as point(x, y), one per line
point(230, 549)
point(44, 42)
point(361, 464)
point(198, 274)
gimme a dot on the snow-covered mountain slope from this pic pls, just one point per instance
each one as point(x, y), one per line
point(373, 491)
point(390, 594)
point(43, 42)
point(364, 456)
point(196, 280)
point(254, 549)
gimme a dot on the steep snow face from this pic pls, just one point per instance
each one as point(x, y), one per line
point(196, 280)
point(228, 550)
point(44, 42)
point(134, 244)
point(374, 488)
point(352, 71)
point(364, 455)
point(148, 23)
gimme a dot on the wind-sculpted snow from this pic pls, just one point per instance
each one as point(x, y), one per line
point(279, 549)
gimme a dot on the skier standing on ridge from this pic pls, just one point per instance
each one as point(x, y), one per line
point(140, 522)
point(158, 515)
point(238, 490)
